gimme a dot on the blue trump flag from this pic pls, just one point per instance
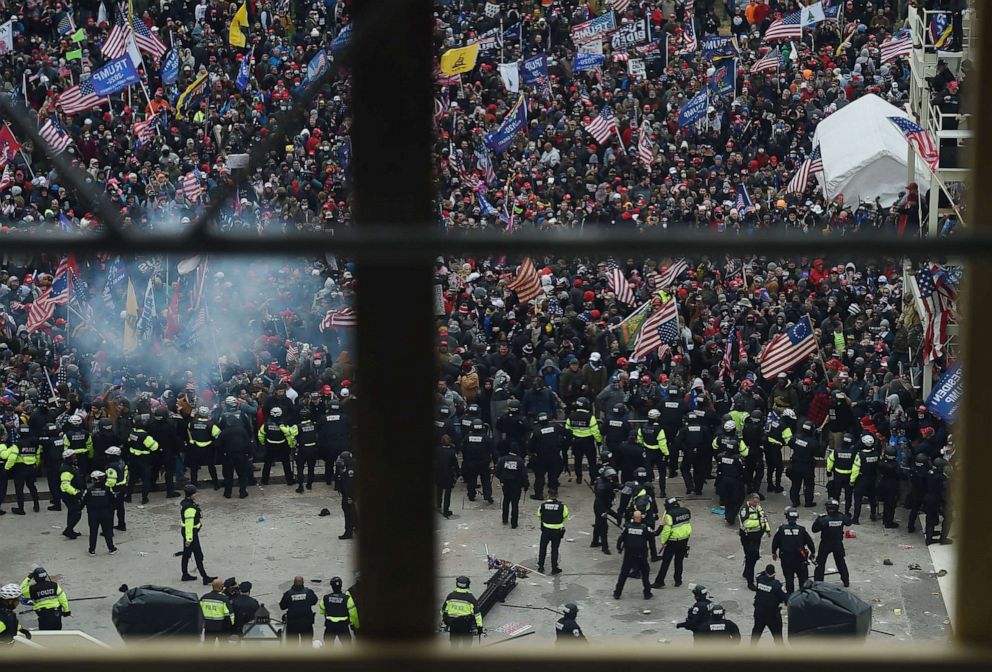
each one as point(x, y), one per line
point(534, 72)
point(695, 109)
point(244, 73)
point(116, 75)
point(718, 45)
point(515, 122)
point(586, 61)
point(170, 67)
point(946, 395)
point(723, 81)
point(342, 41)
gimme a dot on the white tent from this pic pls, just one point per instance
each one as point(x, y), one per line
point(864, 154)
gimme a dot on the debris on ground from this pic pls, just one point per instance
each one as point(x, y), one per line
point(887, 562)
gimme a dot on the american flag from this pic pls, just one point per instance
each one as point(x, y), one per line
point(292, 352)
point(584, 96)
point(727, 364)
point(526, 284)
point(6, 179)
point(145, 129)
point(602, 126)
point(770, 61)
point(901, 44)
point(691, 42)
point(667, 277)
point(645, 147)
point(42, 309)
point(744, 203)
point(789, 27)
point(938, 292)
point(117, 41)
point(661, 328)
point(618, 283)
point(621, 57)
point(811, 166)
point(80, 98)
point(52, 132)
point(146, 40)
point(344, 317)
point(786, 350)
point(66, 25)
point(620, 6)
point(190, 186)
point(920, 139)
point(470, 180)
point(484, 163)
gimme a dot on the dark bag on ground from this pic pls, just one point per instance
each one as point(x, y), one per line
point(148, 612)
point(823, 609)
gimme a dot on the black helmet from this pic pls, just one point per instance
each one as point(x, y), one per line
point(807, 425)
point(543, 417)
point(473, 409)
point(105, 423)
point(700, 591)
point(756, 414)
point(189, 489)
point(718, 611)
point(890, 451)
point(39, 573)
point(161, 413)
point(609, 472)
point(571, 610)
point(923, 459)
point(791, 512)
point(833, 505)
point(304, 413)
point(582, 402)
point(463, 582)
point(336, 583)
point(513, 406)
point(939, 463)
point(620, 409)
point(671, 503)
point(641, 473)
point(345, 455)
point(848, 438)
point(476, 424)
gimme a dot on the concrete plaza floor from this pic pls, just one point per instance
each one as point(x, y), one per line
point(276, 534)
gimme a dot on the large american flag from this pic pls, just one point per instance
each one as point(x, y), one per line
point(811, 166)
point(788, 349)
point(901, 44)
point(116, 43)
point(80, 98)
point(42, 308)
point(190, 186)
point(146, 40)
point(938, 292)
point(920, 139)
point(343, 317)
point(602, 126)
point(661, 328)
point(770, 61)
point(526, 284)
point(667, 277)
point(690, 41)
point(645, 148)
point(620, 6)
point(618, 283)
point(727, 363)
point(56, 137)
point(789, 27)
point(145, 130)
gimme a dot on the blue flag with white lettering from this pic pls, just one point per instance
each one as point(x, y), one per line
point(244, 73)
point(587, 61)
point(695, 109)
point(515, 122)
point(116, 75)
point(170, 67)
point(718, 45)
point(946, 395)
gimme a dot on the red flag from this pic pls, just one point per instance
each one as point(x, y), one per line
point(9, 146)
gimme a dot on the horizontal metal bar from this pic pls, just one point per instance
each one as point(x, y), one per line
point(400, 244)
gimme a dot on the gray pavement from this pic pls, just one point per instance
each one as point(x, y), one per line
point(276, 534)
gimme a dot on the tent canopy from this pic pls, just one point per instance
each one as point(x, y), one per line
point(864, 154)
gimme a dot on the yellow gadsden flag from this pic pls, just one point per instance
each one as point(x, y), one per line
point(239, 26)
point(130, 320)
point(457, 61)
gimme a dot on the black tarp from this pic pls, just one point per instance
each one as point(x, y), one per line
point(823, 609)
point(148, 612)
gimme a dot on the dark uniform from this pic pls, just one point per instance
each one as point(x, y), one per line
point(244, 607)
point(477, 454)
point(651, 436)
point(718, 628)
point(163, 430)
point(566, 628)
point(888, 486)
point(104, 437)
point(344, 478)
point(695, 441)
point(917, 488)
point(99, 503)
point(935, 503)
point(866, 482)
point(601, 508)
point(831, 528)
point(51, 457)
point(630, 457)
point(729, 475)
point(672, 412)
point(446, 472)
point(753, 435)
point(843, 464)
point(234, 444)
point(306, 449)
point(779, 436)
point(299, 602)
point(511, 470)
point(633, 541)
point(768, 599)
point(794, 546)
point(585, 435)
point(553, 514)
point(699, 612)
point(333, 432)
point(803, 467)
point(617, 428)
point(547, 446)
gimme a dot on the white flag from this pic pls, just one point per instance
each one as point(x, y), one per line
point(812, 14)
point(492, 9)
point(510, 73)
point(591, 47)
point(101, 15)
point(7, 37)
point(132, 51)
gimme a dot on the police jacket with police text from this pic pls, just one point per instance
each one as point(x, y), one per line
point(511, 470)
point(804, 452)
point(546, 443)
point(298, 602)
point(477, 449)
point(768, 594)
point(790, 538)
point(831, 527)
point(566, 629)
point(634, 539)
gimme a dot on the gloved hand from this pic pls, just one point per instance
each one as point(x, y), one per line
point(67, 614)
point(26, 633)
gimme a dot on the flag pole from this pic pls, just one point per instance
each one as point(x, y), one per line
point(616, 129)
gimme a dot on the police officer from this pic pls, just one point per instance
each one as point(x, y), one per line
point(793, 545)
point(604, 492)
point(344, 478)
point(337, 608)
point(699, 612)
point(460, 613)
point(512, 428)
point(935, 503)
point(730, 470)
point(140, 446)
point(831, 528)
point(718, 627)
point(49, 601)
point(888, 486)
point(278, 439)
point(803, 465)
point(10, 595)
point(163, 431)
point(917, 488)
point(753, 524)
point(511, 470)
point(547, 447)
point(651, 436)
point(633, 542)
point(71, 486)
point(866, 482)
point(674, 532)
point(630, 457)
point(695, 441)
point(6, 451)
point(51, 457)
point(244, 607)
point(843, 465)
point(98, 500)
point(617, 427)
point(191, 519)
point(22, 465)
point(768, 600)
point(104, 437)
point(446, 472)
point(566, 628)
point(753, 435)
point(298, 602)
point(780, 432)
point(645, 502)
point(215, 606)
point(77, 439)
point(117, 478)
point(477, 455)
point(334, 433)
point(553, 515)
point(234, 444)
point(306, 448)
point(585, 435)
point(631, 488)
point(672, 412)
